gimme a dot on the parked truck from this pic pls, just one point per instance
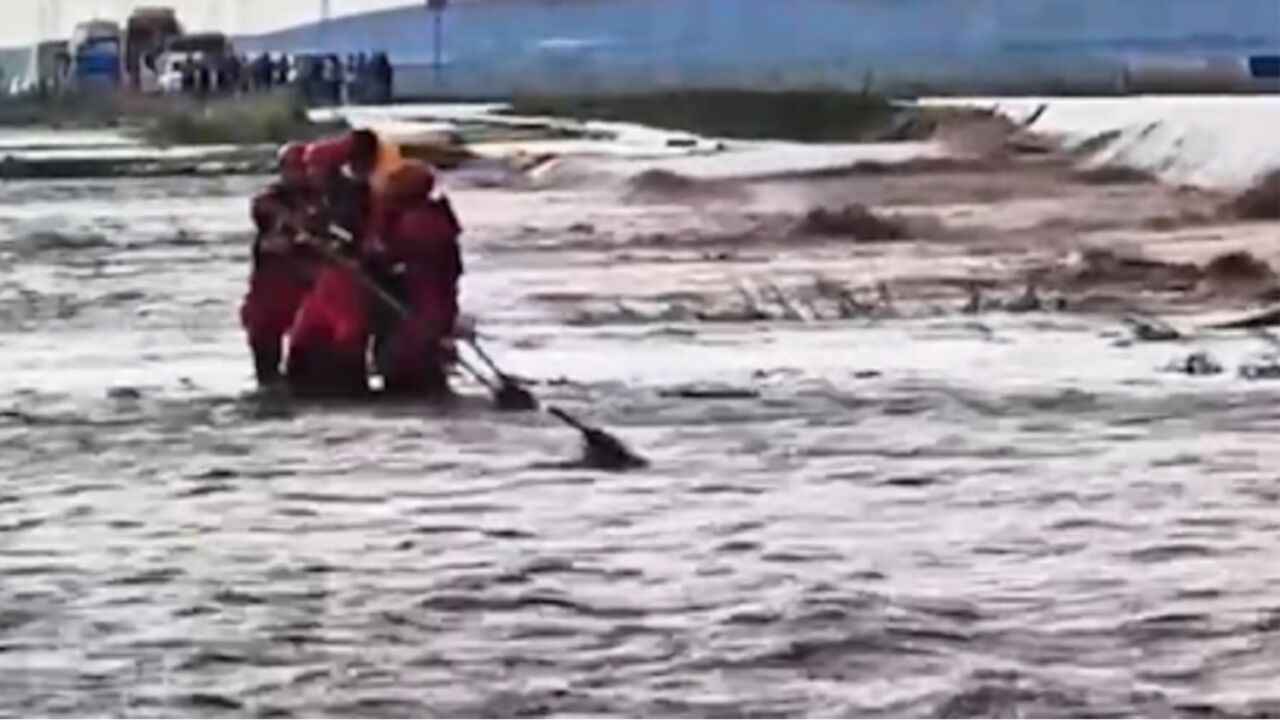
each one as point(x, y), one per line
point(147, 35)
point(95, 54)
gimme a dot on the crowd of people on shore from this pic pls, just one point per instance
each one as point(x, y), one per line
point(356, 269)
point(359, 78)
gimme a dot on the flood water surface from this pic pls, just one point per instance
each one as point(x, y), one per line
point(935, 514)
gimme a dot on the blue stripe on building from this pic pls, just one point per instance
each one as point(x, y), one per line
point(1265, 67)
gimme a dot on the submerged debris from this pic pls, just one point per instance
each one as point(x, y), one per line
point(1265, 368)
point(1196, 364)
point(974, 302)
point(736, 315)
point(664, 185)
point(1236, 274)
point(1239, 273)
point(1099, 266)
point(710, 391)
point(1152, 329)
point(885, 297)
point(1113, 175)
point(124, 393)
point(1029, 301)
point(792, 308)
point(854, 221)
point(845, 301)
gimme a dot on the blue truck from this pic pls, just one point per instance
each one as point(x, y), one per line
point(97, 57)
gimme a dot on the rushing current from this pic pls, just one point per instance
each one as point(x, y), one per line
point(930, 515)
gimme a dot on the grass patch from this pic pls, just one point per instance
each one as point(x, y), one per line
point(170, 119)
point(73, 112)
point(807, 116)
point(253, 119)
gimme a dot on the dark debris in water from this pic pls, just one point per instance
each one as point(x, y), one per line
point(1102, 267)
point(710, 392)
point(1011, 698)
point(1198, 364)
point(208, 701)
point(1152, 329)
point(217, 473)
point(911, 481)
point(238, 598)
point(124, 393)
point(1262, 369)
point(757, 300)
point(853, 221)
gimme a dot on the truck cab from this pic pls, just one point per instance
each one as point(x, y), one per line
point(146, 36)
point(95, 54)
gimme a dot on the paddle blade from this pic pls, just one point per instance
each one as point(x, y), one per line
point(600, 449)
point(511, 397)
point(606, 452)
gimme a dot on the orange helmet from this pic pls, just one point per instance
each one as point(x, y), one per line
point(413, 180)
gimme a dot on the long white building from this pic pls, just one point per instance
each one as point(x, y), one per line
point(492, 47)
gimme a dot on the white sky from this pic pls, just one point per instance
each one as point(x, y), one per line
point(22, 21)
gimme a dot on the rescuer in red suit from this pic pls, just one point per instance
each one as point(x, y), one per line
point(418, 244)
point(284, 267)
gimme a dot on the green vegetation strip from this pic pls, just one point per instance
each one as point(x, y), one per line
point(806, 116)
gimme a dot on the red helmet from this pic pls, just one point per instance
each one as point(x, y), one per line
point(291, 156)
point(327, 155)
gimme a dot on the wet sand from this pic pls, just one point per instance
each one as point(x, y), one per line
point(884, 510)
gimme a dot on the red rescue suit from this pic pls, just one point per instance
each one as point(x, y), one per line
point(329, 338)
point(283, 273)
point(330, 335)
point(419, 239)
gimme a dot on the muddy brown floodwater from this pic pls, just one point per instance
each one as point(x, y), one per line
point(864, 500)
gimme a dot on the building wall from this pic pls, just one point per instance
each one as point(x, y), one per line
point(505, 46)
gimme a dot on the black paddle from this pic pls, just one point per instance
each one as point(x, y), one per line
point(510, 395)
point(600, 449)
